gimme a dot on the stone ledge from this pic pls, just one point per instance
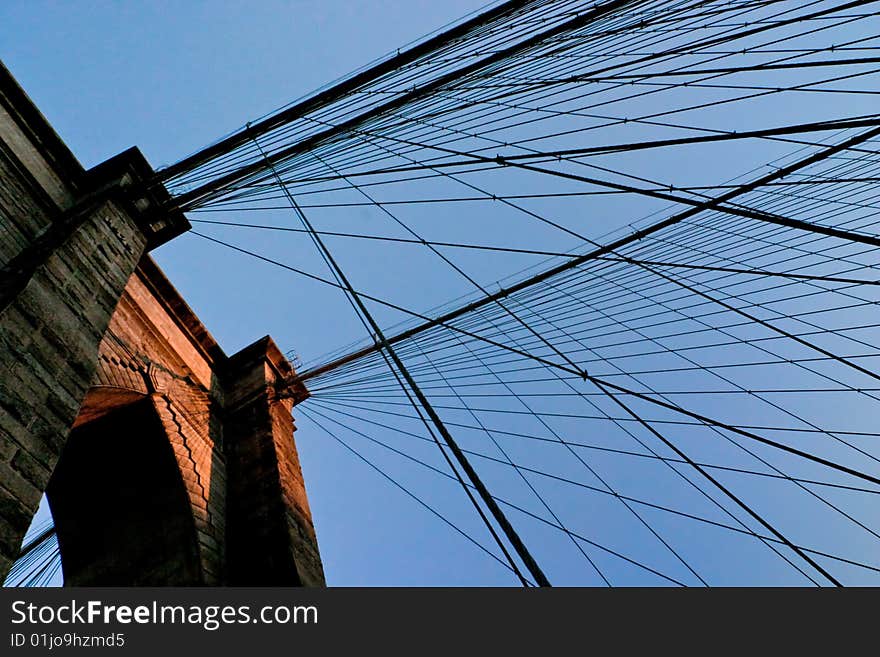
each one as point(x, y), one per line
point(130, 176)
point(261, 352)
point(38, 130)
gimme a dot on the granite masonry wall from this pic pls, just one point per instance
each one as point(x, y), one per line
point(164, 460)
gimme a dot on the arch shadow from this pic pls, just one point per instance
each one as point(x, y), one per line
point(118, 500)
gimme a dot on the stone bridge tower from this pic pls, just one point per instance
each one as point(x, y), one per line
point(165, 461)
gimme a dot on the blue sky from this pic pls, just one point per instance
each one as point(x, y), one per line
point(171, 77)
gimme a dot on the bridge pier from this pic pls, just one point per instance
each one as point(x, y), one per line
point(114, 397)
point(270, 536)
point(57, 303)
